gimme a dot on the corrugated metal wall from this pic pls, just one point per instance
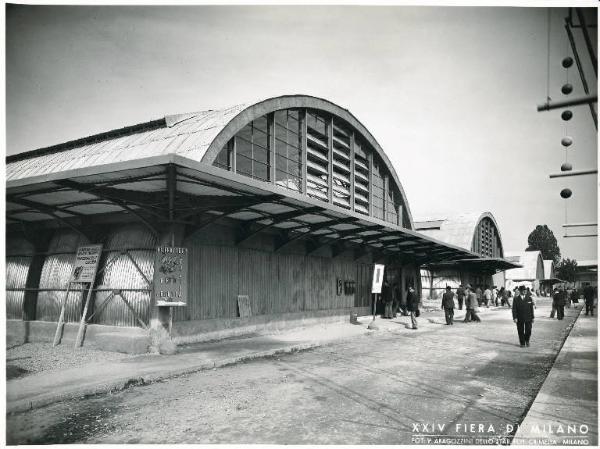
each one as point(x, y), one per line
point(55, 275)
point(17, 269)
point(122, 274)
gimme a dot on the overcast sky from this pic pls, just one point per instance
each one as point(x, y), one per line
point(450, 93)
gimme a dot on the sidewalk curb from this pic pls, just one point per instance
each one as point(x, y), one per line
point(120, 384)
point(569, 329)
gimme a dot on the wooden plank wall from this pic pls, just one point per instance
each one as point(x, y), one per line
point(275, 283)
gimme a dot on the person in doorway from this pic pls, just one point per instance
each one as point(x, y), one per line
point(487, 296)
point(402, 305)
point(589, 293)
point(386, 294)
point(448, 305)
point(479, 295)
point(460, 295)
point(495, 299)
point(412, 305)
point(395, 299)
point(522, 312)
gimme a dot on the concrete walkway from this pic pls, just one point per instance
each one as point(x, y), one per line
point(565, 411)
point(47, 387)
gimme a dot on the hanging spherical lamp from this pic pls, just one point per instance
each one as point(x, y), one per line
point(566, 167)
point(567, 115)
point(566, 193)
point(566, 141)
point(567, 89)
point(567, 62)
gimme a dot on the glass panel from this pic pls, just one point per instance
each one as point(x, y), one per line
point(222, 159)
point(260, 138)
point(243, 165)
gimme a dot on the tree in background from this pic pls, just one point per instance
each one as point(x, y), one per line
point(566, 269)
point(542, 239)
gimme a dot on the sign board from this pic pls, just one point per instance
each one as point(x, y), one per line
point(377, 278)
point(170, 276)
point(86, 263)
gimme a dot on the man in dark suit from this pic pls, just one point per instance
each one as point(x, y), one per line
point(448, 305)
point(412, 304)
point(589, 294)
point(559, 301)
point(522, 311)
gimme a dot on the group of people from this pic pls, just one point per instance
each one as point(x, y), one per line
point(523, 304)
point(394, 302)
point(485, 295)
point(561, 297)
point(466, 295)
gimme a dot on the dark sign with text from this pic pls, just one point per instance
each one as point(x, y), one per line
point(170, 276)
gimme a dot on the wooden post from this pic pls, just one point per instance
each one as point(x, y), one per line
point(61, 318)
point(82, 323)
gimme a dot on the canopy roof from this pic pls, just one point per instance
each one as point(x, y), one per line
point(203, 195)
point(161, 172)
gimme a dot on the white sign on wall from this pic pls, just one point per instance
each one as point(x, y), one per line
point(86, 263)
point(377, 278)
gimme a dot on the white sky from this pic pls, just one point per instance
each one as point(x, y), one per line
point(450, 93)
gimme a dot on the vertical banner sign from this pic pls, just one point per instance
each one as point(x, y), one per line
point(86, 263)
point(377, 278)
point(170, 276)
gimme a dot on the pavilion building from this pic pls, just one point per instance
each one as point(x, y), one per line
point(475, 232)
point(286, 203)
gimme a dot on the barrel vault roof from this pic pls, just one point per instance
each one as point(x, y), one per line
point(530, 261)
point(457, 230)
point(198, 136)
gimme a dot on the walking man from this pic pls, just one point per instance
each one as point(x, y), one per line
point(588, 294)
point(460, 294)
point(448, 305)
point(559, 301)
point(412, 304)
point(522, 311)
point(470, 304)
point(554, 301)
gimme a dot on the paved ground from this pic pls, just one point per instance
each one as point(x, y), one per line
point(565, 411)
point(393, 386)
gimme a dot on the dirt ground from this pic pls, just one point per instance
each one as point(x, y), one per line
point(388, 387)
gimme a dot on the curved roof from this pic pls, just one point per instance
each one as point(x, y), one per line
point(458, 230)
point(533, 266)
point(198, 136)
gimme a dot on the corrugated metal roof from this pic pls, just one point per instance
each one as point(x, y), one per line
point(548, 269)
point(529, 260)
point(457, 230)
point(189, 135)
